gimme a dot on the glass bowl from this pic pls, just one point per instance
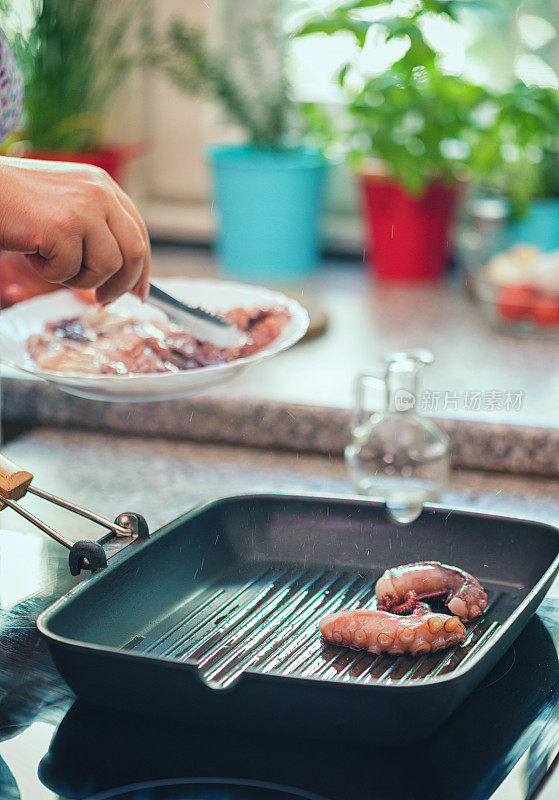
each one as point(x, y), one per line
point(499, 275)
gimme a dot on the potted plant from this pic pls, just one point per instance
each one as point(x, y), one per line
point(416, 136)
point(267, 190)
point(527, 178)
point(73, 59)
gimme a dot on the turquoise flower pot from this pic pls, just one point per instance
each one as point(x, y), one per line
point(539, 227)
point(268, 205)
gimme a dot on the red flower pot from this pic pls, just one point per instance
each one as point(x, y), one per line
point(111, 159)
point(408, 236)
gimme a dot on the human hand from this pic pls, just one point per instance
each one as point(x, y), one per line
point(75, 225)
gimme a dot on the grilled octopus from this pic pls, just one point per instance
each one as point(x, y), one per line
point(382, 632)
point(399, 589)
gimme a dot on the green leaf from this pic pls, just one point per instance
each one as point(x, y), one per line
point(196, 68)
point(338, 23)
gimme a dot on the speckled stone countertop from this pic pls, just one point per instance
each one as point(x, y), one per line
point(256, 422)
point(301, 400)
point(161, 479)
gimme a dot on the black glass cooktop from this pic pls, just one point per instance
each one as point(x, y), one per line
point(500, 743)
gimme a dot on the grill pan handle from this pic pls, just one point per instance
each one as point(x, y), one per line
point(16, 482)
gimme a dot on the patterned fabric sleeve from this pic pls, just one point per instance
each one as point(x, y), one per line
point(11, 89)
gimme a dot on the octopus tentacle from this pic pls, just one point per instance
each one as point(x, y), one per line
point(390, 603)
point(386, 602)
point(460, 591)
point(383, 632)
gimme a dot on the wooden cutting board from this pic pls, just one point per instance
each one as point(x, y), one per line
point(318, 324)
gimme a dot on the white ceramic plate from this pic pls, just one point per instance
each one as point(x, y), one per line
point(19, 322)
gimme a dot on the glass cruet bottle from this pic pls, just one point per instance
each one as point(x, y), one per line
point(395, 454)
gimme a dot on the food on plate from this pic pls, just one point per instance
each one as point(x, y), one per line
point(399, 589)
point(527, 285)
point(382, 632)
point(99, 342)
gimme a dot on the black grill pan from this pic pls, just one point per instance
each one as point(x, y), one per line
point(215, 617)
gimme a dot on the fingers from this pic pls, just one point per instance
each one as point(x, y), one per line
point(102, 257)
point(142, 286)
point(59, 258)
point(132, 246)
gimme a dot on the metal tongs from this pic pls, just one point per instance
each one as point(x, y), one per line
point(201, 324)
point(16, 482)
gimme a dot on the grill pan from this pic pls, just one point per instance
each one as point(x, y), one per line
point(214, 618)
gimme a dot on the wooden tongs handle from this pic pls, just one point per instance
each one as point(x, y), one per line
point(14, 482)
